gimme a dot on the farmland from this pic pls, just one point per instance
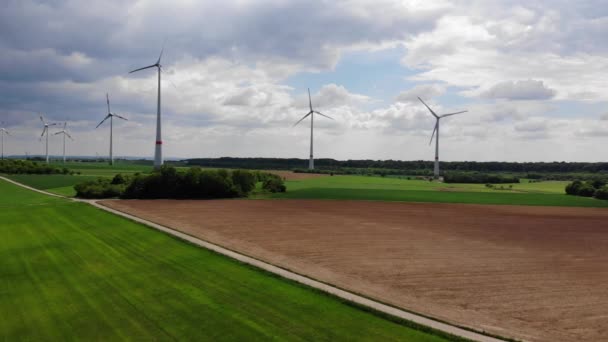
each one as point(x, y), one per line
point(411, 190)
point(532, 273)
point(313, 186)
point(70, 271)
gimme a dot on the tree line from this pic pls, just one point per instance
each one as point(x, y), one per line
point(416, 165)
point(168, 182)
point(16, 166)
point(596, 188)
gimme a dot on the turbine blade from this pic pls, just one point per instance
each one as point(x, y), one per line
point(327, 116)
point(64, 125)
point(429, 108)
point(309, 100)
point(69, 136)
point(52, 124)
point(304, 117)
point(434, 130)
point(148, 67)
point(43, 131)
point(108, 101)
point(106, 118)
point(58, 132)
point(450, 114)
point(41, 118)
point(120, 117)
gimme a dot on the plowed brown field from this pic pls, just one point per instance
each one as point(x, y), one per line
point(533, 273)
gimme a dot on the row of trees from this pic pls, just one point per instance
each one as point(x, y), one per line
point(15, 166)
point(596, 188)
point(409, 166)
point(478, 178)
point(171, 183)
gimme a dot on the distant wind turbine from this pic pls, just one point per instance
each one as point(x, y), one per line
point(158, 151)
point(111, 117)
point(3, 131)
point(46, 130)
point(436, 130)
point(65, 134)
point(311, 162)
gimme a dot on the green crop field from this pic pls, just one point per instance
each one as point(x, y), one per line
point(58, 184)
point(103, 169)
point(69, 271)
point(395, 189)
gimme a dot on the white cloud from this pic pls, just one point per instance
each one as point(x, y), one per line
point(519, 90)
point(424, 91)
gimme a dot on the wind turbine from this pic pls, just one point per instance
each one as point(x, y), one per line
point(311, 162)
point(3, 131)
point(46, 130)
point(158, 151)
point(436, 130)
point(111, 117)
point(65, 133)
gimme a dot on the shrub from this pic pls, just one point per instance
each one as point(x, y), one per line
point(100, 188)
point(601, 193)
point(586, 190)
point(572, 188)
point(274, 185)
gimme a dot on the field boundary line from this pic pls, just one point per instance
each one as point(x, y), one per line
point(284, 273)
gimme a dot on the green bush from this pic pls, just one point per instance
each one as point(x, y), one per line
point(596, 188)
point(100, 188)
point(586, 190)
point(572, 188)
point(274, 185)
point(601, 193)
point(168, 182)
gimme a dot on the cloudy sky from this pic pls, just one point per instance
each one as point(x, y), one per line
point(533, 75)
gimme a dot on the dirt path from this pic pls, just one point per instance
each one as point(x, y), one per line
point(533, 273)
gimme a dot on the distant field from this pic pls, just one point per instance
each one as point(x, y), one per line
point(104, 169)
point(395, 189)
point(443, 197)
point(58, 184)
point(64, 184)
point(73, 272)
point(377, 188)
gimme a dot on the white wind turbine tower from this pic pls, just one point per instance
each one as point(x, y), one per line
point(65, 134)
point(158, 151)
point(46, 130)
point(436, 130)
point(311, 162)
point(111, 117)
point(3, 131)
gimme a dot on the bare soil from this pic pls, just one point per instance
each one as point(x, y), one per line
point(531, 273)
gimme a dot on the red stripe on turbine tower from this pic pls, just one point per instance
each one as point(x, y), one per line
point(158, 142)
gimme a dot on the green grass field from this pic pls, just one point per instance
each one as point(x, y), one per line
point(69, 271)
point(58, 184)
point(395, 189)
point(549, 193)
